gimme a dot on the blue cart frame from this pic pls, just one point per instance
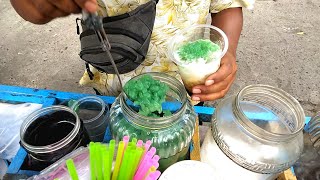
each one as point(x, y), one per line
point(51, 97)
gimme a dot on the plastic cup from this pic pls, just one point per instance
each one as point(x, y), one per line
point(94, 113)
point(195, 72)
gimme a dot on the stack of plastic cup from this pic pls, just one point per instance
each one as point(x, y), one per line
point(94, 114)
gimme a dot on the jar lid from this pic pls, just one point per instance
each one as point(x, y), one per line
point(190, 170)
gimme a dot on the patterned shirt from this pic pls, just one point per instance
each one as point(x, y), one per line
point(171, 16)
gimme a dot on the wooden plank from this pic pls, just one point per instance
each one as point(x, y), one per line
point(27, 94)
point(287, 175)
point(17, 161)
point(195, 150)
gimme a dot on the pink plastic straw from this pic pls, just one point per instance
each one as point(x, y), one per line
point(154, 176)
point(152, 151)
point(126, 140)
point(155, 164)
point(141, 173)
point(139, 143)
point(147, 146)
point(143, 161)
point(156, 158)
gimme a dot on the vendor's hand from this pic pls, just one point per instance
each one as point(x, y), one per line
point(217, 84)
point(43, 11)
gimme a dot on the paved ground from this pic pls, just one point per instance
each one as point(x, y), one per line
point(279, 46)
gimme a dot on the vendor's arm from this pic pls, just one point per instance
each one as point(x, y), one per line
point(218, 84)
point(43, 11)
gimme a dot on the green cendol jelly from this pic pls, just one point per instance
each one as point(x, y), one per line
point(148, 94)
point(195, 50)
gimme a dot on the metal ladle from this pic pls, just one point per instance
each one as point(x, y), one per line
point(93, 21)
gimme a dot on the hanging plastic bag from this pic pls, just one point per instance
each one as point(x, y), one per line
point(11, 118)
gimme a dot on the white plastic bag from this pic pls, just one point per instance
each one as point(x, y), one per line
point(11, 118)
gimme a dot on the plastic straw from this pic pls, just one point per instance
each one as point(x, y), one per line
point(105, 163)
point(152, 169)
point(98, 160)
point(134, 140)
point(112, 144)
point(156, 158)
point(125, 140)
point(137, 158)
point(156, 165)
point(139, 143)
point(144, 163)
point(147, 146)
point(154, 176)
point(124, 164)
point(146, 158)
point(118, 160)
point(72, 169)
point(131, 159)
point(143, 170)
point(92, 160)
point(132, 145)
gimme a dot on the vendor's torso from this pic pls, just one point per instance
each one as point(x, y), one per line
point(171, 16)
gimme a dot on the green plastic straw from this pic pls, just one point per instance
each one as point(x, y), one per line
point(118, 161)
point(131, 145)
point(105, 163)
point(92, 161)
point(134, 140)
point(112, 144)
point(129, 167)
point(124, 164)
point(72, 169)
point(98, 160)
point(137, 157)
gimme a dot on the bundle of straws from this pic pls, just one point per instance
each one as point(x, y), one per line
point(135, 160)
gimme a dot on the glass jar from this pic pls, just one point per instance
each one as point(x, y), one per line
point(255, 134)
point(94, 114)
point(171, 135)
point(49, 134)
